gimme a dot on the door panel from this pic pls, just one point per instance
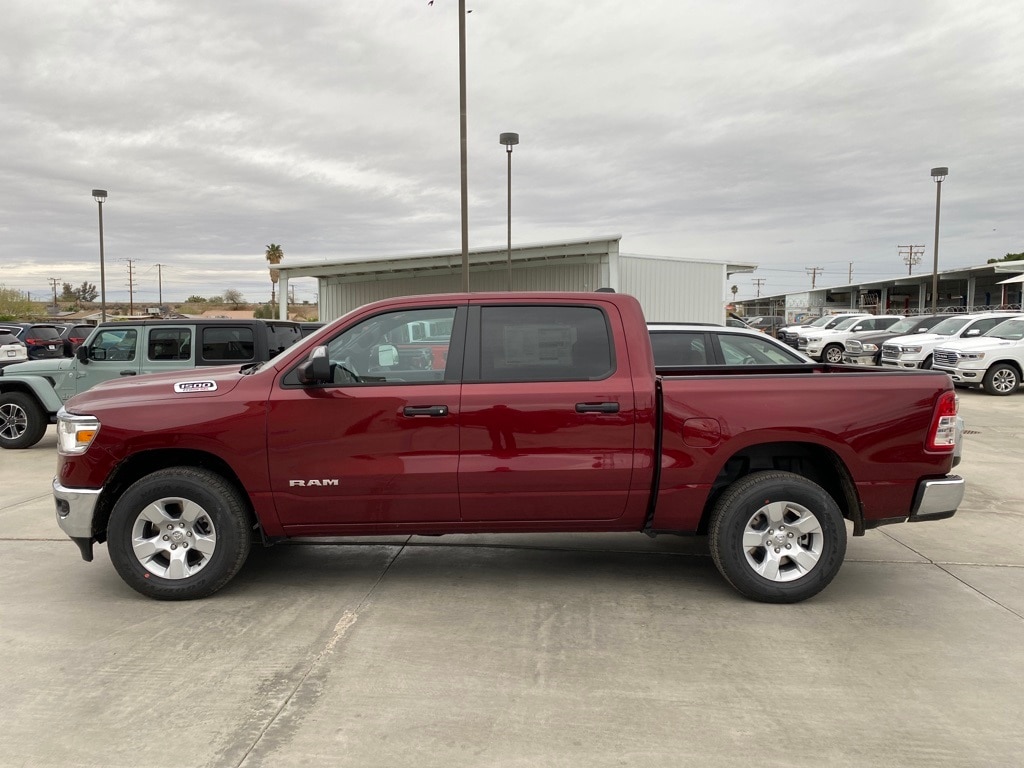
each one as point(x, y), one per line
point(380, 443)
point(542, 451)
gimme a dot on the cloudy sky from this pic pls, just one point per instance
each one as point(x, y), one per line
point(791, 134)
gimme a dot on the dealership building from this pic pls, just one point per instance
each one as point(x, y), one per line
point(669, 289)
point(968, 289)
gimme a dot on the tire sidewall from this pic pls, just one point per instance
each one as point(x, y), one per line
point(989, 380)
point(35, 423)
point(741, 501)
point(220, 501)
point(830, 350)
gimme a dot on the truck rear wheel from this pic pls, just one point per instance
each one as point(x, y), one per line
point(777, 537)
point(179, 534)
point(22, 421)
point(1001, 379)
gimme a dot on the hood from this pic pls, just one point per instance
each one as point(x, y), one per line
point(178, 386)
point(917, 338)
point(40, 367)
point(984, 342)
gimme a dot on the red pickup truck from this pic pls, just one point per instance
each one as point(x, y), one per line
point(546, 413)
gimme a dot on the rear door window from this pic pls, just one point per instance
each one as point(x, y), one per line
point(547, 343)
point(228, 344)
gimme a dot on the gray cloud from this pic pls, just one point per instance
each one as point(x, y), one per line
point(788, 134)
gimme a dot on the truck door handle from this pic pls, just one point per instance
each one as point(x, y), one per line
point(128, 373)
point(425, 410)
point(597, 407)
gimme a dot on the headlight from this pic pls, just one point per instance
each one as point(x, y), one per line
point(868, 347)
point(813, 339)
point(75, 433)
point(970, 355)
point(910, 350)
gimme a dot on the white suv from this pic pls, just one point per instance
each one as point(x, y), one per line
point(11, 349)
point(829, 345)
point(994, 361)
point(916, 351)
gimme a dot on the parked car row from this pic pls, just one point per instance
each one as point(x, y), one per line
point(981, 349)
point(44, 341)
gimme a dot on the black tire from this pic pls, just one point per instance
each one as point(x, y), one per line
point(832, 354)
point(22, 421)
point(179, 534)
point(927, 364)
point(1001, 379)
point(800, 537)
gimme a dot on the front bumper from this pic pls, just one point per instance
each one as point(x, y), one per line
point(75, 511)
point(865, 358)
point(937, 499)
point(963, 375)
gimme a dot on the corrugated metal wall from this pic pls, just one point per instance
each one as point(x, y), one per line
point(338, 297)
point(672, 290)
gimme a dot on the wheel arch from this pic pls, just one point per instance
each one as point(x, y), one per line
point(145, 463)
point(11, 385)
point(817, 463)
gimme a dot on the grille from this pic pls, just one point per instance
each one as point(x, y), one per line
point(945, 357)
point(889, 352)
point(853, 346)
point(801, 343)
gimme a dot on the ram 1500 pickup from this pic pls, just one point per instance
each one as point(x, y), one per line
point(510, 412)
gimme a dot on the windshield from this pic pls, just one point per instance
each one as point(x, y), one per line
point(821, 321)
point(1011, 330)
point(902, 326)
point(835, 321)
point(848, 322)
point(951, 325)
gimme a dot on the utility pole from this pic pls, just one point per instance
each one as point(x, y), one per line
point(911, 255)
point(131, 286)
point(813, 272)
point(849, 273)
point(53, 282)
point(160, 286)
point(758, 282)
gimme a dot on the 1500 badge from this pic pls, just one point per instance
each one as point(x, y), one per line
point(195, 386)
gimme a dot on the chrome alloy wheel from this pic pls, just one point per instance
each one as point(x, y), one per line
point(1004, 381)
point(13, 421)
point(174, 538)
point(782, 541)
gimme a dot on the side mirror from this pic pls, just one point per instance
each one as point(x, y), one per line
point(82, 354)
point(973, 332)
point(316, 369)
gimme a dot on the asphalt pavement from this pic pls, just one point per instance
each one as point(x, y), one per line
point(529, 650)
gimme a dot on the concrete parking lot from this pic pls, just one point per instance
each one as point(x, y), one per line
point(603, 650)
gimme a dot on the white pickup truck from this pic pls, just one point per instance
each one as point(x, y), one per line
point(829, 345)
point(916, 351)
point(994, 361)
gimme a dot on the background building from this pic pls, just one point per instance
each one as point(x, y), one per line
point(669, 289)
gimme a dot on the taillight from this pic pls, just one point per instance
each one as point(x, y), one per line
point(942, 436)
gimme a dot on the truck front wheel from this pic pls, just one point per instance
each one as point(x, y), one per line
point(22, 421)
point(179, 534)
point(777, 537)
point(833, 354)
point(1001, 379)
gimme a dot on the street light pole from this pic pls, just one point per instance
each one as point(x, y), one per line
point(938, 176)
point(509, 140)
point(100, 195)
point(463, 142)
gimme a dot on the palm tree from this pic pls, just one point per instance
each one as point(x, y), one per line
point(274, 256)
